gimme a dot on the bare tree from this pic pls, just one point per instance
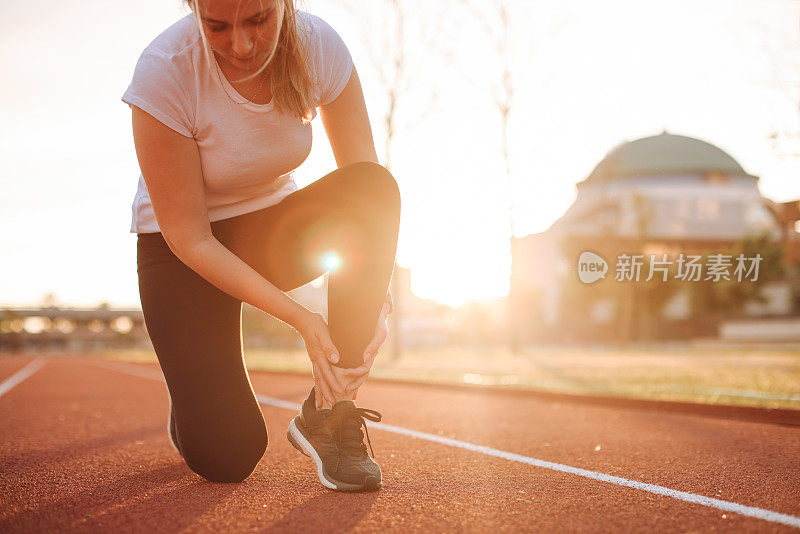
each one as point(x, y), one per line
point(403, 37)
point(506, 24)
point(783, 61)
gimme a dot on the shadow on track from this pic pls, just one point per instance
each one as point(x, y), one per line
point(36, 459)
point(329, 512)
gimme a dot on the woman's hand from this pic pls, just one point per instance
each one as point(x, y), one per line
point(322, 352)
point(359, 374)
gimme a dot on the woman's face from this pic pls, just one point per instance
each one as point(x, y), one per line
point(243, 32)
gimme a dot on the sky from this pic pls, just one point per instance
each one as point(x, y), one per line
point(587, 75)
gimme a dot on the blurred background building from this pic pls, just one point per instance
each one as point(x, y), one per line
point(664, 194)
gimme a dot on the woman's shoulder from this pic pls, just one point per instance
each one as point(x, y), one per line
point(328, 57)
point(314, 25)
point(307, 20)
point(164, 78)
point(178, 39)
point(324, 41)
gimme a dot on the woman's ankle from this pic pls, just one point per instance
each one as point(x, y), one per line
point(344, 380)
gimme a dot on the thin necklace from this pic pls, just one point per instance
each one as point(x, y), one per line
point(219, 72)
point(259, 87)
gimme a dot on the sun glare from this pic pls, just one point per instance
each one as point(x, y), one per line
point(331, 261)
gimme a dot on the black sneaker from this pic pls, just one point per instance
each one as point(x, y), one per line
point(334, 440)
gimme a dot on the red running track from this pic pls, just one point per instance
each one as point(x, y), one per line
point(84, 448)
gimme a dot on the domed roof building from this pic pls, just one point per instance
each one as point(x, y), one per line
point(664, 154)
point(669, 187)
point(663, 194)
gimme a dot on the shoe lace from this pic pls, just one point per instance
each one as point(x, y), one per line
point(349, 423)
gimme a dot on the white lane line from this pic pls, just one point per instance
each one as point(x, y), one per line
point(278, 403)
point(21, 375)
point(728, 506)
point(129, 368)
point(730, 393)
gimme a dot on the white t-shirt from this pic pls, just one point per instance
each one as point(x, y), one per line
point(248, 151)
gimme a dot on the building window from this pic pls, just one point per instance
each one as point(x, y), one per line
point(717, 178)
point(708, 209)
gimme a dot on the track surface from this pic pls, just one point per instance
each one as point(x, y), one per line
point(83, 447)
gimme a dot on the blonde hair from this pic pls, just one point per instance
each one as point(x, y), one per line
point(290, 81)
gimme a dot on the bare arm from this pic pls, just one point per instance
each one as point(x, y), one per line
point(170, 165)
point(347, 125)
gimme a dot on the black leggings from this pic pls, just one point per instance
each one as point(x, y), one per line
point(195, 327)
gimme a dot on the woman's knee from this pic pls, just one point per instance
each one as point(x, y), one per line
point(225, 458)
point(227, 466)
point(377, 180)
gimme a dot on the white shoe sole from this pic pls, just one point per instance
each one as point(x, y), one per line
point(299, 441)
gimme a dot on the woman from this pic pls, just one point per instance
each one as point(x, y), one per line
point(221, 103)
